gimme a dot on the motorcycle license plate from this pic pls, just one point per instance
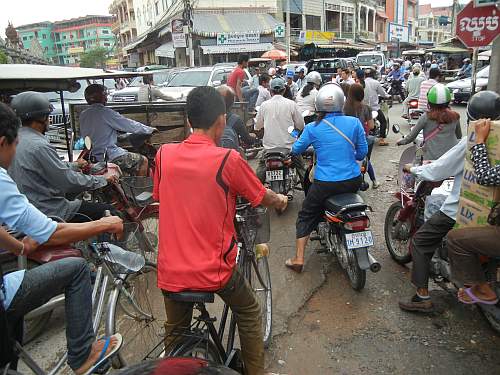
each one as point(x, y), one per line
point(359, 239)
point(276, 175)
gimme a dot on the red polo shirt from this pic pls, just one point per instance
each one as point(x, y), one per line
point(196, 183)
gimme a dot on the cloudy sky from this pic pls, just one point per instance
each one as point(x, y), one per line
point(21, 12)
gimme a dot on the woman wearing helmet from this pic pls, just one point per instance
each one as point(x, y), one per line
point(306, 97)
point(441, 125)
point(338, 141)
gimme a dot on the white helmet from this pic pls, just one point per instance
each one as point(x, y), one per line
point(314, 77)
point(271, 71)
point(330, 98)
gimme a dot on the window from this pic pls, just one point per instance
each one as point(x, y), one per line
point(105, 31)
point(25, 38)
point(46, 49)
point(156, 8)
point(36, 34)
point(44, 36)
point(332, 21)
point(31, 37)
point(347, 23)
point(106, 44)
point(313, 22)
point(64, 36)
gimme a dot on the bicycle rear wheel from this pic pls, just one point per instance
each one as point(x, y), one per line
point(139, 316)
point(260, 280)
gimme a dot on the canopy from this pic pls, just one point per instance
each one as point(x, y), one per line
point(450, 50)
point(22, 77)
point(414, 52)
point(166, 50)
point(275, 54)
point(237, 48)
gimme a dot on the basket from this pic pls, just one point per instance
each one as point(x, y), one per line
point(258, 224)
point(138, 189)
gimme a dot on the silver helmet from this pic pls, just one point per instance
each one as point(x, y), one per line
point(314, 77)
point(330, 98)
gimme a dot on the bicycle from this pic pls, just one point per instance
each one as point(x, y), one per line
point(128, 281)
point(203, 339)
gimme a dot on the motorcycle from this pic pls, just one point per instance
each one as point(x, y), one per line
point(395, 88)
point(280, 171)
point(414, 112)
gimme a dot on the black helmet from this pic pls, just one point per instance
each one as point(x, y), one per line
point(484, 104)
point(31, 105)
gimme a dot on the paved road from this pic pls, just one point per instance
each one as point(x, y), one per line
point(321, 326)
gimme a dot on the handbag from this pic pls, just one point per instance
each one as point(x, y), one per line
point(494, 216)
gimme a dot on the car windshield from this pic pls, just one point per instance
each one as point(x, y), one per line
point(326, 64)
point(484, 73)
point(369, 60)
point(193, 78)
point(80, 93)
point(159, 78)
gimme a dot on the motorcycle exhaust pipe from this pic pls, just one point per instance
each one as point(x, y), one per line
point(374, 264)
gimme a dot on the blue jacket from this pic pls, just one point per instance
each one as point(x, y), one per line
point(336, 158)
point(396, 74)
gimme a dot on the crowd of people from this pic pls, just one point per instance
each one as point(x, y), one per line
point(206, 173)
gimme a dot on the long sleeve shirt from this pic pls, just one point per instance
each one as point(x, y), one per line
point(450, 164)
point(45, 179)
point(413, 86)
point(102, 125)
point(20, 215)
point(424, 89)
point(336, 157)
point(485, 173)
point(373, 89)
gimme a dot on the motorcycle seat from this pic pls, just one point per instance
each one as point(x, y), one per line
point(191, 297)
point(281, 152)
point(348, 202)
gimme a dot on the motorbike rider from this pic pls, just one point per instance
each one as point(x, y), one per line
point(301, 80)
point(275, 116)
point(374, 90)
point(306, 97)
point(434, 77)
point(430, 235)
point(413, 87)
point(23, 291)
point(102, 125)
point(441, 125)
point(294, 89)
point(264, 94)
point(397, 76)
point(466, 69)
point(335, 172)
point(39, 172)
point(467, 244)
point(197, 248)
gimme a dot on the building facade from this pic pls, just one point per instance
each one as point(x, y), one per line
point(434, 24)
point(15, 52)
point(63, 42)
point(124, 27)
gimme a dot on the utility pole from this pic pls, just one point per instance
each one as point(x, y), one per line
point(494, 80)
point(287, 28)
point(453, 16)
point(188, 17)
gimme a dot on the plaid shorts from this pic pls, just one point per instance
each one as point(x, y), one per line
point(129, 163)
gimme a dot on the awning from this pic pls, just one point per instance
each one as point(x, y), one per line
point(166, 50)
point(381, 14)
point(237, 48)
point(345, 46)
point(447, 50)
point(209, 25)
point(135, 44)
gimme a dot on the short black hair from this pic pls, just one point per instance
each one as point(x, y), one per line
point(203, 106)
point(434, 73)
point(243, 58)
point(9, 123)
point(264, 78)
point(147, 79)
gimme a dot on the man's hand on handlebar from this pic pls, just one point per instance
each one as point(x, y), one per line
point(30, 245)
point(82, 163)
point(407, 168)
point(114, 224)
point(283, 202)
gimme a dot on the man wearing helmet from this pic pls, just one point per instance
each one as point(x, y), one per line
point(39, 172)
point(301, 81)
point(484, 104)
point(466, 69)
point(413, 87)
point(275, 116)
point(306, 98)
point(102, 125)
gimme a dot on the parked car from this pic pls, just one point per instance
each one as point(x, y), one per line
point(370, 58)
point(183, 82)
point(328, 67)
point(129, 93)
point(461, 88)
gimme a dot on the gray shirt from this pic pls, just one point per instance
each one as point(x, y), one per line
point(102, 125)
point(373, 89)
point(45, 179)
point(413, 86)
point(444, 140)
point(148, 93)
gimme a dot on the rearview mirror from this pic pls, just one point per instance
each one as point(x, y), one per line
point(216, 83)
point(396, 129)
point(88, 143)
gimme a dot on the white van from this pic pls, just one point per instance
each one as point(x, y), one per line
point(370, 58)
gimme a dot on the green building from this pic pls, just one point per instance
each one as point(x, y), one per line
point(64, 41)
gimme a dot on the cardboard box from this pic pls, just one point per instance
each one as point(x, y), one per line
point(492, 143)
point(470, 214)
point(484, 195)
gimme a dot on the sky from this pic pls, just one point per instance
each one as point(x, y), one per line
point(22, 12)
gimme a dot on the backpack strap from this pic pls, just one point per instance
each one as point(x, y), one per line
point(434, 133)
point(340, 132)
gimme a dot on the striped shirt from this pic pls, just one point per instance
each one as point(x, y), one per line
point(424, 89)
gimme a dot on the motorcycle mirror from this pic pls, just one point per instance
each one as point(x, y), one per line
point(88, 143)
point(396, 129)
point(374, 114)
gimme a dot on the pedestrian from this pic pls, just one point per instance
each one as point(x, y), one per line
point(236, 81)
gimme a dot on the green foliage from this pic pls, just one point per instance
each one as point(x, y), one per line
point(3, 58)
point(95, 58)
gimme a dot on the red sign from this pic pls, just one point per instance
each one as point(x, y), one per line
point(478, 27)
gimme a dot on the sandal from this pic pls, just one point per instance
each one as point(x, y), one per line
point(383, 143)
point(105, 354)
point(474, 299)
point(294, 266)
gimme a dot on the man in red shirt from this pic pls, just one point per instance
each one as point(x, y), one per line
point(238, 75)
point(196, 184)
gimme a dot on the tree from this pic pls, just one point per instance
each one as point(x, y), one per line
point(95, 58)
point(3, 58)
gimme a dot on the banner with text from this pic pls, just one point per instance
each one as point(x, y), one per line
point(237, 38)
point(316, 37)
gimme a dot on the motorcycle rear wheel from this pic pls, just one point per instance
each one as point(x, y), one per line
point(491, 318)
point(400, 256)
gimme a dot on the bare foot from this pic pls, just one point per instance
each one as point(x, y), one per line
point(95, 354)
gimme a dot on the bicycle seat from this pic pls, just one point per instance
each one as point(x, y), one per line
point(281, 152)
point(348, 201)
point(200, 297)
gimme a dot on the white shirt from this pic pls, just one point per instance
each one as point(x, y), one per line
point(275, 116)
point(264, 95)
point(307, 103)
point(373, 89)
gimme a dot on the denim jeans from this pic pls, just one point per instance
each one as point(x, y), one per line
point(70, 276)
point(250, 95)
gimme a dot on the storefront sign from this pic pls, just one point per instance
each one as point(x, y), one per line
point(316, 37)
point(279, 30)
point(237, 38)
point(398, 32)
point(179, 40)
point(177, 25)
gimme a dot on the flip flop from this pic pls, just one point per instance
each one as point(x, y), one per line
point(294, 267)
point(103, 357)
point(474, 299)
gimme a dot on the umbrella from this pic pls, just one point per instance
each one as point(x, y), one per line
point(275, 54)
